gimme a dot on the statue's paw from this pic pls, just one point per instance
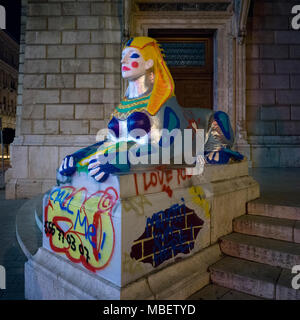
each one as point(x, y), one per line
point(68, 166)
point(214, 157)
point(217, 157)
point(96, 172)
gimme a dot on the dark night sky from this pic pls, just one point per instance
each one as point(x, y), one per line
point(13, 17)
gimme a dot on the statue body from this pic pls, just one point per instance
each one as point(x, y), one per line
point(148, 107)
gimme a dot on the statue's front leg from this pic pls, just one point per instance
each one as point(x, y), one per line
point(68, 166)
point(96, 171)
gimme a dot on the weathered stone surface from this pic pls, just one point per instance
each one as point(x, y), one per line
point(275, 113)
point(268, 251)
point(274, 228)
point(89, 111)
point(210, 292)
point(90, 81)
point(85, 285)
point(61, 23)
point(276, 211)
point(42, 37)
point(284, 289)
point(75, 37)
point(37, 156)
point(60, 81)
point(233, 203)
point(57, 111)
point(39, 96)
point(264, 156)
point(75, 96)
point(27, 188)
point(35, 52)
point(297, 232)
point(89, 23)
point(34, 81)
point(74, 126)
point(246, 276)
point(90, 51)
point(44, 9)
point(188, 268)
point(215, 292)
point(41, 66)
point(45, 126)
point(61, 51)
point(36, 23)
point(236, 295)
point(75, 66)
point(20, 157)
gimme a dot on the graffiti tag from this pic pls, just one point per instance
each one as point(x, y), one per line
point(136, 204)
point(167, 234)
point(161, 178)
point(81, 227)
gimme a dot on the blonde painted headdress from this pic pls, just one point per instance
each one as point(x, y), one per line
point(163, 87)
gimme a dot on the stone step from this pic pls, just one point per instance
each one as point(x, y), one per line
point(268, 251)
point(254, 278)
point(268, 227)
point(28, 234)
point(216, 292)
point(257, 207)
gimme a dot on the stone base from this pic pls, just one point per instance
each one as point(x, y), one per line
point(26, 188)
point(158, 237)
point(50, 277)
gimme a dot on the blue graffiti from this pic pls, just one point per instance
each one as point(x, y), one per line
point(87, 229)
point(168, 234)
point(102, 244)
point(61, 196)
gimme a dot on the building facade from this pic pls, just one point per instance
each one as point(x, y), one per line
point(9, 59)
point(70, 81)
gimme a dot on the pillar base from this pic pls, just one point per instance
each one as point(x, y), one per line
point(147, 235)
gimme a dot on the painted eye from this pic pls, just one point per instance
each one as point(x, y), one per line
point(135, 56)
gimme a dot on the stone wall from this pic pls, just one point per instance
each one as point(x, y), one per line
point(70, 82)
point(273, 74)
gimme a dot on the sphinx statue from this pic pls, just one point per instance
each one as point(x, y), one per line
point(149, 106)
point(122, 191)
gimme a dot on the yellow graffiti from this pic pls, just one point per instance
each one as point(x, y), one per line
point(136, 204)
point(198, 196)
point(81, 227)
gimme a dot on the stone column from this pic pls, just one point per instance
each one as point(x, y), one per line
point(69, 83)
point(242, 144)
point(240, 20)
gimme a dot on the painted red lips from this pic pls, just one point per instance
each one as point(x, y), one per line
point(125, 68)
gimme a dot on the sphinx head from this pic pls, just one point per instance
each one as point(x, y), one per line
point(142, 55)
point(133, 64)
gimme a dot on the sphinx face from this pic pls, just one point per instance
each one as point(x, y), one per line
point(133, 64)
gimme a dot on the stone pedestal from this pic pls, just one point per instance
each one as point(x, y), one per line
point(148, 235)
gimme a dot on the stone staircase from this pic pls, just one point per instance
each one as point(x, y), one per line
point(259, 256)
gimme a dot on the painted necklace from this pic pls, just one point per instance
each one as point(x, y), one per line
point(128, 106)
